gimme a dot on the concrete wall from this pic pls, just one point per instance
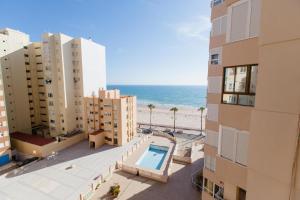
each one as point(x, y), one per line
point(93, 66)
point(43, 151)
point(275, 119)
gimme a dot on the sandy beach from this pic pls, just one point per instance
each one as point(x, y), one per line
point(185, 117)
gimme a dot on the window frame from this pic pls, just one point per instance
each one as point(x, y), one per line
point(247, 87)
point(215, 61)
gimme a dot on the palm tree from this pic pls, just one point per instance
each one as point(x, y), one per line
point(174, 109)
point(201, 109)
point(151, 107)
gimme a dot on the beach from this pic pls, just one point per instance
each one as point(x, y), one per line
point(187, 117)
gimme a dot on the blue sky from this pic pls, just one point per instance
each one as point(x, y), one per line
point(147, 41)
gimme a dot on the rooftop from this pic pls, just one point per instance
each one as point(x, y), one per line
point(33, 139)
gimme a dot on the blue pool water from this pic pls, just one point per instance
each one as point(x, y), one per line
point(153, 157)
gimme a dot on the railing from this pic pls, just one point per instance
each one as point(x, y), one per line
point(194, 182)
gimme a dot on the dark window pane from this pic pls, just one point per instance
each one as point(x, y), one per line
point(229, 79)
point(246, 100)
point(240, 79)
point(230, 98)
point(214, 59)
point(253, 79)
point(241, 194)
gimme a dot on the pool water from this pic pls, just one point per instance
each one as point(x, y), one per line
point(153, 157)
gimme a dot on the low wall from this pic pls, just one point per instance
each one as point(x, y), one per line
point(154, 176)
point(166, 135)
point(186, 159)
point(162, 175)
point(46, 150)
point(27, 148)
point(57, 146)
point(182, 159)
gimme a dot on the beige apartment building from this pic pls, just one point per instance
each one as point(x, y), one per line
point(45, 82)
point(10, 41)
point(73, 68)
point(35, 77)
point(14, 80)
point(110, 118)
point(252, 126)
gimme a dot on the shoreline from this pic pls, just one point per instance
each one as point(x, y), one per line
point(185, 117)
point(166, 106)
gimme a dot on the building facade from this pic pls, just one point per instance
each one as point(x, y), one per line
point(110, 118)
point(13, 78)
point(43, 84)
point(252, 125)
point(73, 68)
point(35, 77)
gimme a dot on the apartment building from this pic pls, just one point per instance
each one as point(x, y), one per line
point(35, 75)
point(110, 118)
point(14, 80)
point(252, 126)
point(12, 56)
point(44, 82)
point(69, 69)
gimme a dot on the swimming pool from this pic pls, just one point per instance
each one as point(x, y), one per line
point(153, 157)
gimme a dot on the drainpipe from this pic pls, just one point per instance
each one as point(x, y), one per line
point(294, 167)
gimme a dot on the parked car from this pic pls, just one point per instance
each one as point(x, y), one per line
point(167, 130)
point(147, 131)
point(27, 161)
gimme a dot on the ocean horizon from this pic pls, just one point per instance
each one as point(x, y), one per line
point(185, 96)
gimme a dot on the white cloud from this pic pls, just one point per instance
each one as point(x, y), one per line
point(197, 28)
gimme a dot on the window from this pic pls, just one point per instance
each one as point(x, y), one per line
point(219, 25)
point(218, 192)
point(214, 59)
point(208, 186)
point(210, 162)
point(115, 141)
point(241, 194)
point(243, 20)
point(239, 85)
point(234, 145)
point(108, 139)
point(216, 2)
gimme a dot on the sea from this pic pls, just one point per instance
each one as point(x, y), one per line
point(166, 96)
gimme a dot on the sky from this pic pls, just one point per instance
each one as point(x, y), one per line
point(148, 42)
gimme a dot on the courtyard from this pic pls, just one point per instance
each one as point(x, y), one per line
point(62, 177)
point(178, 187)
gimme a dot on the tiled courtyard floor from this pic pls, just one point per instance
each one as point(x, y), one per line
point(53, 179)
point(133, 187)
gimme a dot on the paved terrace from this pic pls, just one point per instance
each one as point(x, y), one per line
point(54, 179)
point(178, 187)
